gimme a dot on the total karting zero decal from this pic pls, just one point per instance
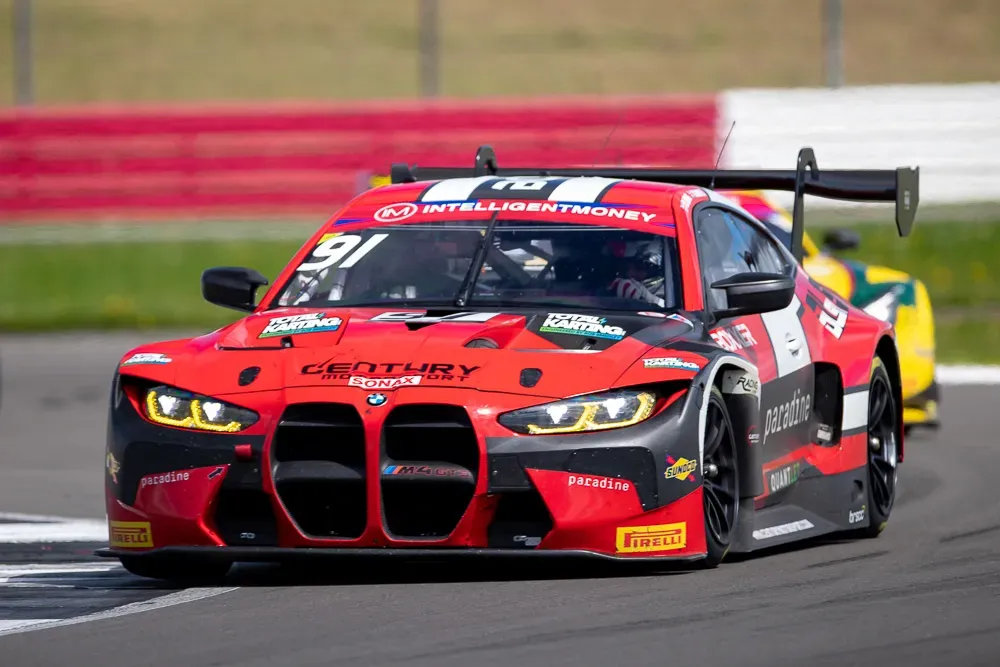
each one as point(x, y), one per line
point(581, 325)
point(300, 324)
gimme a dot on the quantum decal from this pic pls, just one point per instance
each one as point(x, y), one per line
point(670, 362)
point(131, 534)
point(147, 358)
point(783, 529)
point(783, 477)
point(681, 468)
point(367, 370)
point(593, 482)
point(736, 337)
point(581, 325)
point(300, 324)
point(651, 539)
point(166, 478)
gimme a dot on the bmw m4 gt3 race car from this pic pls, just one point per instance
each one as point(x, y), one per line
point(613, 363)
point(886, 293)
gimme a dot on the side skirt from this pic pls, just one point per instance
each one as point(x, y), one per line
point(813, 506)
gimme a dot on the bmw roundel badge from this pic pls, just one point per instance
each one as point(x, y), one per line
point(376, 399)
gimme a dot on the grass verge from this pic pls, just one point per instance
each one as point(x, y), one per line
point(150, 50)
point(153, 284)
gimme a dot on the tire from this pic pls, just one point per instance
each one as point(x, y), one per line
point(883, 448)
point(720, 481)
point(177, 570)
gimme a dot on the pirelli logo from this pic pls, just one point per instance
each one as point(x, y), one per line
point(131, 534)
point(651, 539)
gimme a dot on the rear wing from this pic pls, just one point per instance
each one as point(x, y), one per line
point(900, 185)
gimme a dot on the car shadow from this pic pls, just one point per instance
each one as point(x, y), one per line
point(361, 572)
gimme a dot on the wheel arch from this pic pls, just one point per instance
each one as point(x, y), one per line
point(739, 382)
point(889, 355)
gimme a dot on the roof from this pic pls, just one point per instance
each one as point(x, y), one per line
point(593, 199)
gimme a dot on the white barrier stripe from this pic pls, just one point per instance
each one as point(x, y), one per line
point(968, 374)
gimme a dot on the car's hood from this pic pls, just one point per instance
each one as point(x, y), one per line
point(380, 350)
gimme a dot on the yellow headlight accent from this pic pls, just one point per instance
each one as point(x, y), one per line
point(580, 425)
point(587, 423)
point(195, 417)
point(199, 421)
point(154, 413)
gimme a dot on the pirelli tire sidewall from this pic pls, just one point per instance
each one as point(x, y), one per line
point(877, 518)
point(715, 551)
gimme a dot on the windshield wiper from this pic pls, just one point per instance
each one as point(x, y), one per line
point(476, 266)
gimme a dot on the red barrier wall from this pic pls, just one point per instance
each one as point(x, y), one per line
point(131, 163)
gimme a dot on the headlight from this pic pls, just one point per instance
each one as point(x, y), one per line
point(173, 407)
point(886, 305)
point(597, 412)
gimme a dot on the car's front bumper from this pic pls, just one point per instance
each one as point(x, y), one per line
point(334, 486)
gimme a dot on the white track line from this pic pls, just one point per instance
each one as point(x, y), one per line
point(69, 530)
point(180, 597)
point(968, 374)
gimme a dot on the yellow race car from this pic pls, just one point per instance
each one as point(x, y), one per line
point(885, 293)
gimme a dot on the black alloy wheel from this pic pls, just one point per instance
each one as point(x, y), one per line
point(883, 449)
point(720, 480)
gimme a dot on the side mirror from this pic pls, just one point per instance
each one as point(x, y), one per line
point(755, 293)
point(232, 287)
point(841, 239)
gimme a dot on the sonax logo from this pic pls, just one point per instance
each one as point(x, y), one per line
point(395, 212)
point(650, 539)
point(382, 383)
point(131, 534)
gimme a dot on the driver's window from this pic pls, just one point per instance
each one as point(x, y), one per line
point(723, 251)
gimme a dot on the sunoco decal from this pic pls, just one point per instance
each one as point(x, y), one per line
point(300, 324)
point(581, 325)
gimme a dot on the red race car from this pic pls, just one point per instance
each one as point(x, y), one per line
point(614, 363)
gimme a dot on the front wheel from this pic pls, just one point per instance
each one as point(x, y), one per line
point(720, 481)
point(883, 449)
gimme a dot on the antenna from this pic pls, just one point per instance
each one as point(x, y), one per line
point(718, 160)
point(607, 140)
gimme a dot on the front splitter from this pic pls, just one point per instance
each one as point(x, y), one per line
point(282, 555)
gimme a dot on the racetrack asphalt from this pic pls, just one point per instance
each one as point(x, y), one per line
point(927, 592)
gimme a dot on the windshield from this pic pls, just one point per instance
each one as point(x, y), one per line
point(526, 263)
